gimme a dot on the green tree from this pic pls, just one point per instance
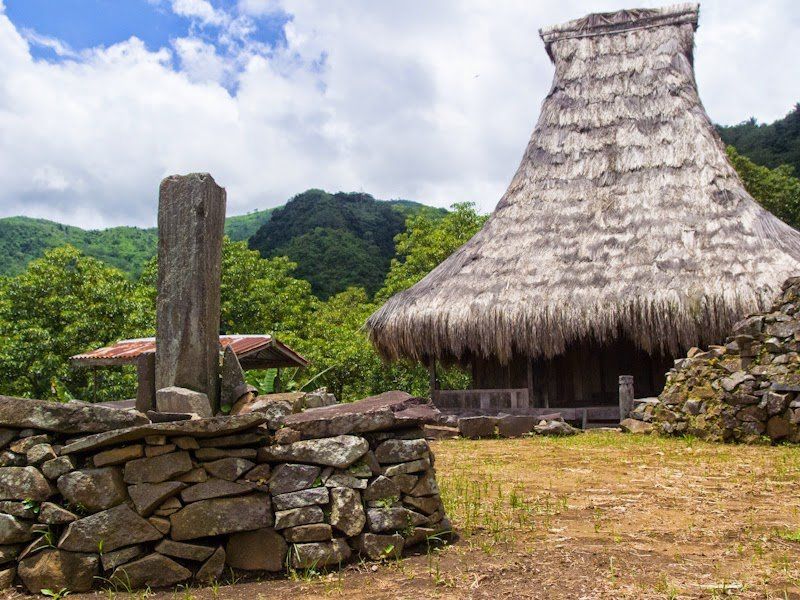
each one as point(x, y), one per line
point(426, 242)
point(65, 303)
point(777, 189)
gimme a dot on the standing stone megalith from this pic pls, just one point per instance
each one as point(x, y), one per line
point(191, 219)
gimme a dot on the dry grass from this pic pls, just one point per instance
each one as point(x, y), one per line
point(601, 515)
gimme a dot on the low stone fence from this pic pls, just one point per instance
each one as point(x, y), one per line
point(747, 390)
point(98, 497)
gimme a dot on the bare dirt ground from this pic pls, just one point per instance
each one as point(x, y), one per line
point(600, 515)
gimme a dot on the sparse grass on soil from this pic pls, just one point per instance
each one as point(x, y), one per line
point(600, 515)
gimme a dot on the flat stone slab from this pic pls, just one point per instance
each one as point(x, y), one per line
point(197, 428)
point(340, 451)
point(221, 515)
point(115, 528)
point(69, 417)
point(390, 410)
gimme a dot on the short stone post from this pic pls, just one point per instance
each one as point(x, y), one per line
point(146, 374)
point(191, 219)
point(625, 396)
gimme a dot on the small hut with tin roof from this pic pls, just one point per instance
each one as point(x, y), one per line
point(624, 238)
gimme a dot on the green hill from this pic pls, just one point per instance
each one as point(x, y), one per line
point(337, 240)
point(127, 248)
point(767, 145)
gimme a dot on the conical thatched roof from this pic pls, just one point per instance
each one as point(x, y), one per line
point(624, 217)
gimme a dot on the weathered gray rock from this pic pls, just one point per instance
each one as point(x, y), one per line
point(634, 426)
point(13, 531)
point(315, 532)
point(390, 410)
point(23, 483)
point(477, 427)
point(290, 478)
point(160, 523)
point(111, 560)
point(9, 553)
point(23, 510)
point(53, 469)
point(512, 426)
point(380, 547)
point(398, 451)
point(731, 383)
point(221, 515)
point(340, 451)
point(158, 468)
point(52, 514)
point(259, 474)
point(147, 497)
point(319, 554)
point(118, 456)
point(154, 571)
point(308, 497)
point(195, 552)
point(6, 435)
point(776, 402)
point(10, 459)
point(233, 385)
point(426, 485)
point(427, 505)
point(198, 475)
point(215, 488)
point(115, 528)
point(212, 568)
point(298, 516)
point(344, 479)
point(415, 466)
point(778, 428)
point(200, 428)
point(56, 570)
point(213, 454)
point(191, 216)
point(347, 512)
point(24, 444)
point(69, 417)
point(261, 550)
point(557, 428)
point(94, 489)
point(39, 453)
point(228, 468)
point(273, 410)
point(393, 519)
point(7, 577)
point(382, 487)
point(175, 399)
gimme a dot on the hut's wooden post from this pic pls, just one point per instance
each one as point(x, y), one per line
point(432, 374)
point(625, 396)
point(146, 374)
point(530, 401)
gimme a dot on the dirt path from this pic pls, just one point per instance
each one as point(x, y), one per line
point(601, 515)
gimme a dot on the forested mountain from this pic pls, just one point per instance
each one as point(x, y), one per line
point(767, 145)
point(127, 248)
point(337, 240)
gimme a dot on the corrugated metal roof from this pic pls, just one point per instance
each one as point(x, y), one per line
point(253, 351)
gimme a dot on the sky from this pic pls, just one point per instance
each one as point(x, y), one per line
point(429, 100)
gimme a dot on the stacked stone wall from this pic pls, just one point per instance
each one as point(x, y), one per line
point(747, 390)
point(161, 504)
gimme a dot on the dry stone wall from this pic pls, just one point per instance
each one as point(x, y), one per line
point(159, 504)
point(747, 390)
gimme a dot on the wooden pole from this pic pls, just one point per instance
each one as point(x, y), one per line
point(625, 396)
point(432, 373)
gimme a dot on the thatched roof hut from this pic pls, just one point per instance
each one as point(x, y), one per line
point(625, 222)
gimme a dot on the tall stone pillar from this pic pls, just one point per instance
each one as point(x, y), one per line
point(191, 219)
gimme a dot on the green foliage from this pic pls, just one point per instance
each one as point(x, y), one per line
point(23, 239)
point(337, 240)
point(777, 189)
point(427, 242)
point(64, 304)
point(242, 227)
point(768, 145)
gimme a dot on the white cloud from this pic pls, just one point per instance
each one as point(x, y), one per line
point(199, 9)
point(430, 101)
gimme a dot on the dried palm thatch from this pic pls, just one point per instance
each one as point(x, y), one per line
point(625, 217)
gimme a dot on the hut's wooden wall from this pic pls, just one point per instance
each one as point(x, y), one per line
point(586, 375)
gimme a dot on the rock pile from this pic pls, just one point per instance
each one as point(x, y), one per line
point(158, 504)
point(743, 391)
point(509, 426)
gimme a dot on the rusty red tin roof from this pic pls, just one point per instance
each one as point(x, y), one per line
point(254, 351)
